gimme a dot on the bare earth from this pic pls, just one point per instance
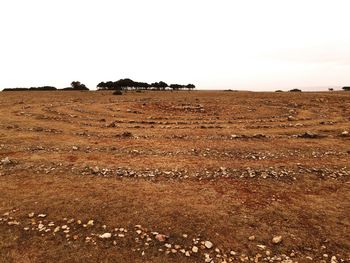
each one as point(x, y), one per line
point(152, 176)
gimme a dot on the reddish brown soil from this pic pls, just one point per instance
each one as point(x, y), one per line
point(175, 163)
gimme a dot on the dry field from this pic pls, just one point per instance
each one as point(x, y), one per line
point(174, 177)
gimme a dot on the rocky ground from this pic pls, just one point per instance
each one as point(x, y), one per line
point(174, 177)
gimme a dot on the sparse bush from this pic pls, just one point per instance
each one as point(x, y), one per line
point(279, 90)
point(43, 88)
point(15, 89)
point(346, 88)
point(77, 85)
point(295, 90)
point(117, 92)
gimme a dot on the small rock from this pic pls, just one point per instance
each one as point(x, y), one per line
point(345, 133)
point(106, 235)
point(194, 249)
point(251, 238)
point(277, 239)
point(95, 169)
point(309, 135)
point(30, 215)
point(263, 247)
point(167, 245)
point(208, 244)
point(13, 223)
point(334, 259)
point(161, 237)
point(42, 215)
point(6, 161)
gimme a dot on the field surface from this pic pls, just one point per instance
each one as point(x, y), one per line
point(197, 176)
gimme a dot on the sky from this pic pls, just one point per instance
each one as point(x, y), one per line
point(218, 44)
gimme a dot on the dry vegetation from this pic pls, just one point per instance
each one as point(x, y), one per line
point(264, 177)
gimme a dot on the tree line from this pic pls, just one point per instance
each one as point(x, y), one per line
point(128, 84)
point(121, 85)
point(75, 85)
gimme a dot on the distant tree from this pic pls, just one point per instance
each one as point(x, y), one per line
point(176, 86)
point(101, 86)
point(126, 84)
point(43, 88)
point(77, 85)
point(279, 90)
point(346, 88)
point(190, 86)
point(330, 89)
point(15, 89)
point(295, 90)
point(162, 85)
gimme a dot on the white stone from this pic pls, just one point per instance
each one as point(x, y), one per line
point(208, 244)
point(106, 235)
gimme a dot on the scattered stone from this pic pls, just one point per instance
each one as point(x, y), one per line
point(6, 161)
point(95, 169)
point(167, 245)
point(263, 247)
point(161, 237)
point(195, 249)
point(334, 259)
point(13, 223)
point(309, 135)
point(208, 244)
point(251, 238)
point(42, 215)
point(106, 235)
point(277, 239)
point(345, 134)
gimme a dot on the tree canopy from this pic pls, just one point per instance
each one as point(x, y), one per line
point(128, 84)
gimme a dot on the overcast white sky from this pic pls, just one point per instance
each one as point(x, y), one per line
point(217, 44)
